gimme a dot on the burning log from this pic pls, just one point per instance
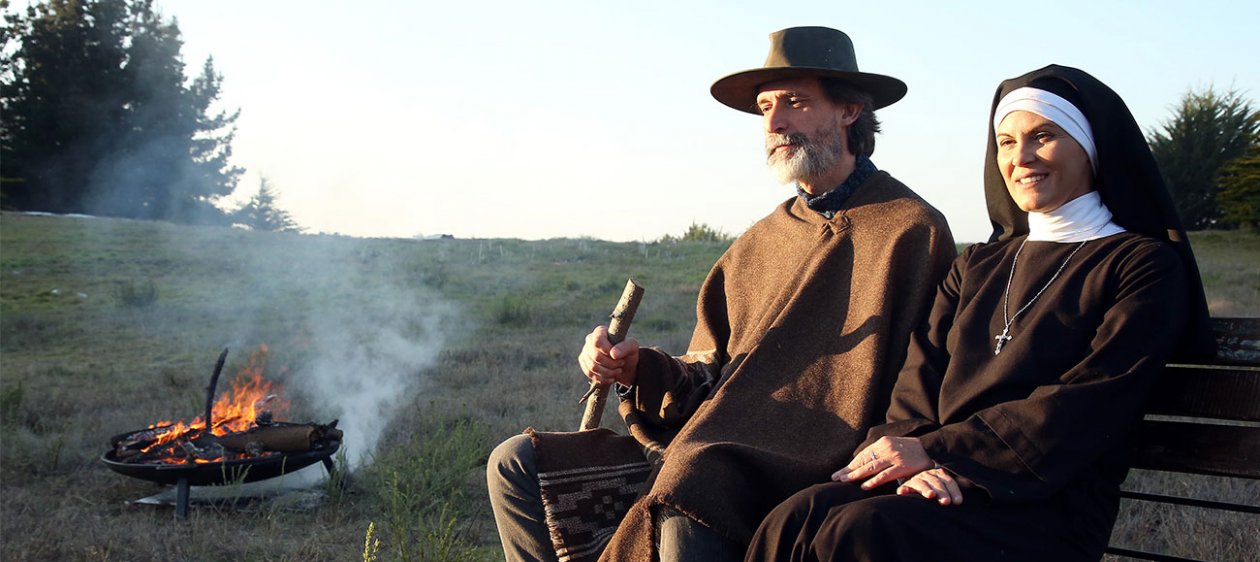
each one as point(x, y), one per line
point(204, 451)
point(286, 438)
point(132, 444)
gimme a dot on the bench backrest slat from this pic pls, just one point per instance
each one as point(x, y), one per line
point(1223, 393)
point(1197, 448)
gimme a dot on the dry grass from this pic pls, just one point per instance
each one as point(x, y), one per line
point(1186, 531)
point(79, 361)
point(1230, 265)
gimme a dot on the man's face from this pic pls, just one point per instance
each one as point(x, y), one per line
point(805, 131)
point(1043, 166)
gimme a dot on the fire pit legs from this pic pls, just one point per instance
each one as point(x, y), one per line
point(341, 480)
point(181, 500)
point(183, 490)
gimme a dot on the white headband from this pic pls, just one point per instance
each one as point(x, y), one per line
point(1054, 108)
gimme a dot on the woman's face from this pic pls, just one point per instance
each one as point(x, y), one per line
point(1043, 166)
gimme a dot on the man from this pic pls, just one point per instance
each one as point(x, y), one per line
point(801, 327)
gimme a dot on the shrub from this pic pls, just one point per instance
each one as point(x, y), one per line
point(513, 312)
point(699, 232)
point(133, 294)
point(11, 402)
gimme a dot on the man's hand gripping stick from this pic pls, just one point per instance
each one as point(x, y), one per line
point(597, 396)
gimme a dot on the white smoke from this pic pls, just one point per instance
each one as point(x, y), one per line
point(359, 324)
point(370, 356)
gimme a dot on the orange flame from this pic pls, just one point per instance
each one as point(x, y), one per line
point(234, 411)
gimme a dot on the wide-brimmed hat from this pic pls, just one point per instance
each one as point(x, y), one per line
point(806, 51)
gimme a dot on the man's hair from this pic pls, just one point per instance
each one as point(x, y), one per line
point(861, 137)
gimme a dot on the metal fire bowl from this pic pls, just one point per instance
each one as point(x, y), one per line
point(225, 472)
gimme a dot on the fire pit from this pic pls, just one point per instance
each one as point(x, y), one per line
point(243, 444)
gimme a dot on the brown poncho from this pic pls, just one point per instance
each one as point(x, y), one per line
point(802, 327)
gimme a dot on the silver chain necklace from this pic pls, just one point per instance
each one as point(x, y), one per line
point(1007, 320)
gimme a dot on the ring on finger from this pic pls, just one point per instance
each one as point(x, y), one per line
point(874, 457)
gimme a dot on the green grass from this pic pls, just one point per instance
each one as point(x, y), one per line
point(108, 325)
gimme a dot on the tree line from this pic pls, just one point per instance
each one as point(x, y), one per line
point(98, 115)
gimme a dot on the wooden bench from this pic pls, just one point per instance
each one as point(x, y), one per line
point(1202, 419)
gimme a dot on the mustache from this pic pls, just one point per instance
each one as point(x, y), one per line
point(775, 140)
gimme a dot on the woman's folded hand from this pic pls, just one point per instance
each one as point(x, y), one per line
point(936, 484)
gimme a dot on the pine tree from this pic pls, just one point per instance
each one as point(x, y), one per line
point(262, 212)
point(1206, 131)
point(1240, 189)
point(99, 116)
point(62, 100)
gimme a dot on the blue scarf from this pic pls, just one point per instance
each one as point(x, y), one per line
point(828, 203)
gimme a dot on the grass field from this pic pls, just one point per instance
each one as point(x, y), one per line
point(429, 352)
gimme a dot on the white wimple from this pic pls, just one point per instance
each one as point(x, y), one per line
point(1078, 220)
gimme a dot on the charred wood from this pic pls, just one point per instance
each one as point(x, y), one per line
point(214, 382)
point(205, 451)
point(257, 442)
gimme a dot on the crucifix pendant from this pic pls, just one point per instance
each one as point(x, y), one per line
point(1001, 339)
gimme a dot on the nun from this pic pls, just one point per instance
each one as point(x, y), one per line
point(1007, 427)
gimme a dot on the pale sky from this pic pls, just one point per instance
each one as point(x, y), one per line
point(550, 119)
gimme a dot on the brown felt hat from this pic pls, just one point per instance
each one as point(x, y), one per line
point(806, 51)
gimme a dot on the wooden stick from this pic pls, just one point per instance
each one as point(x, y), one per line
point(214, 382)
point(622, 316)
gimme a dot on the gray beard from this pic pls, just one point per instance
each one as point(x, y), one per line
point(811, 160)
